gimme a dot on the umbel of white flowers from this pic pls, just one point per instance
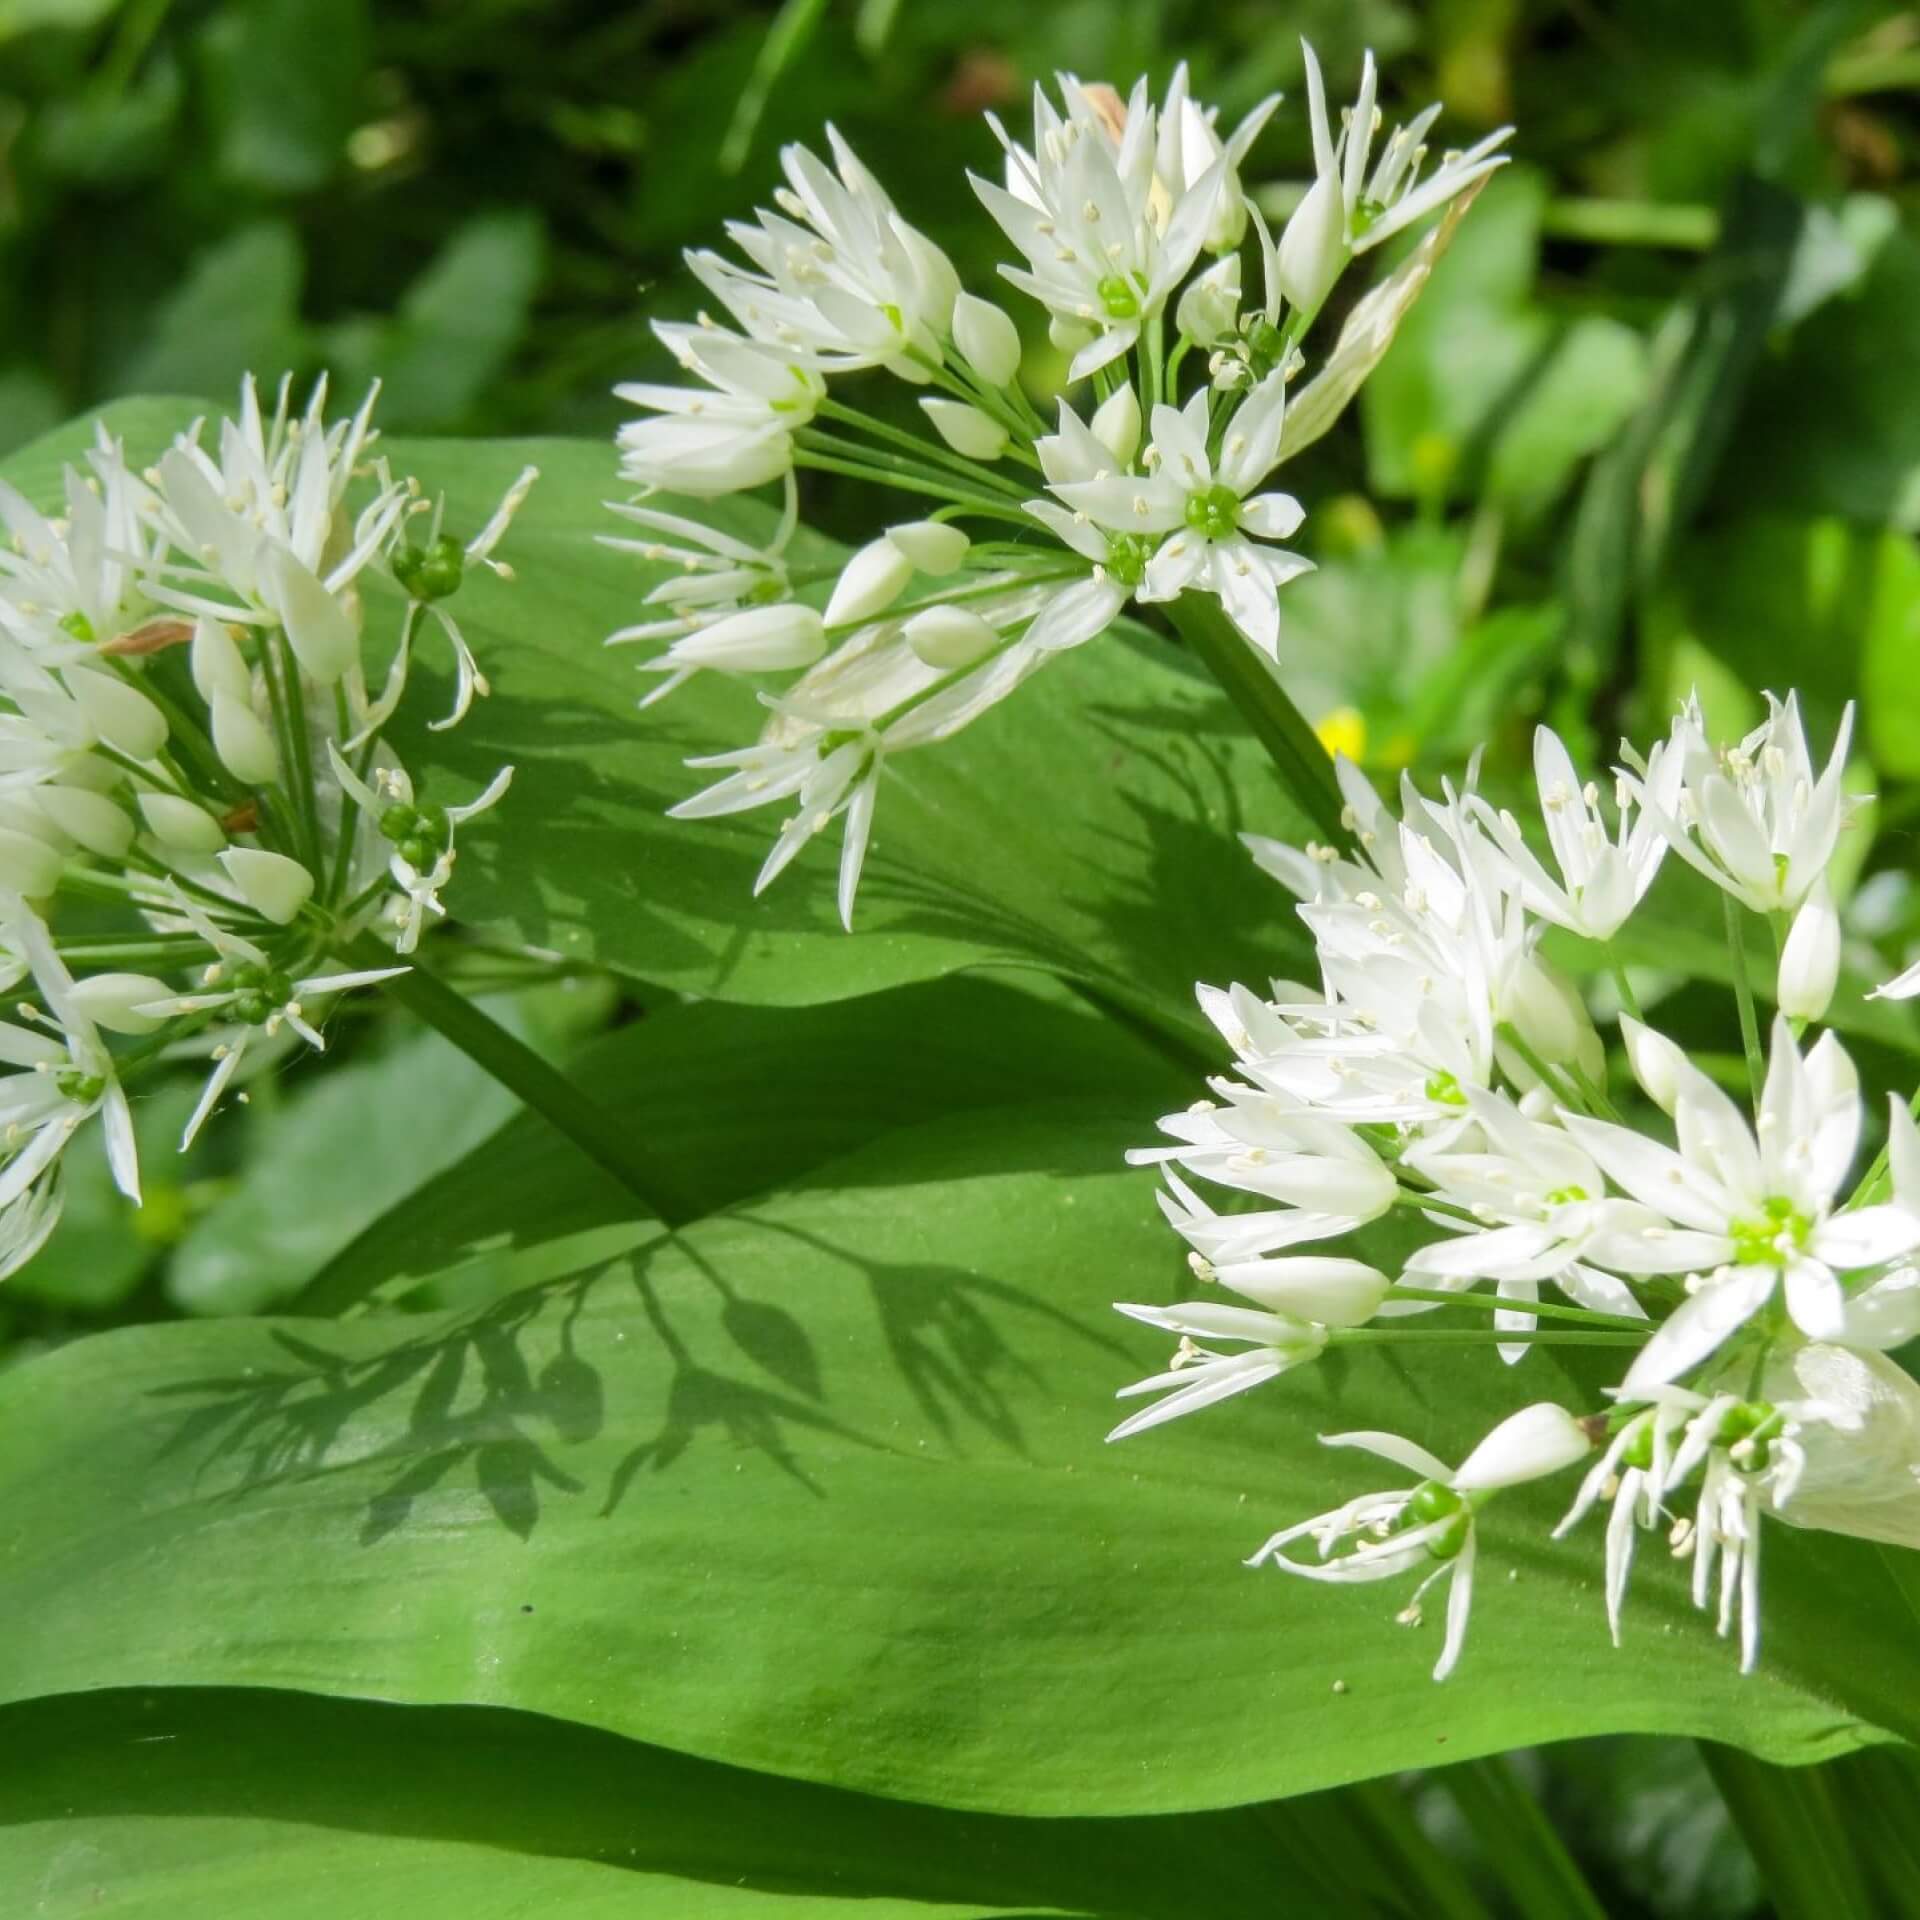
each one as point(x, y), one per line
point(1016, 537)
point(1443, 1066)
point(189, 744)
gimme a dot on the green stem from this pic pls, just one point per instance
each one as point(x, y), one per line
point(807, 456)
point(1568, 1094)
point(1618, 967)
point(557, 1100)
point(1790, 1818)
point(1519, 1843)
point(1250, 682)
point(972, 471)
point(1743, 993)
point(1541, 1309)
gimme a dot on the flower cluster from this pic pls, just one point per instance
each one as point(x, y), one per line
point(199, 811)
point(1137, 494)
point(1446, 1068)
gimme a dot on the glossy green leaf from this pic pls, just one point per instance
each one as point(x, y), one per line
point(246, 1804)
point(818, 1487)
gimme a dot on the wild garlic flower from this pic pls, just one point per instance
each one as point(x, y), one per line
point(1442, 1069)
point(1113, 206)
point(187, 736)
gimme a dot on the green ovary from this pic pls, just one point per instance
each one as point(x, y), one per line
point(1780, 1231)
point(1214, 512)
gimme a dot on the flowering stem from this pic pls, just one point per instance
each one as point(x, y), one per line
point(1540, 1309)
point(1743, 993)
point(808, 456)
point(1253, 686)
point(1628, 998)
point(557, 1100)
point(970, 471)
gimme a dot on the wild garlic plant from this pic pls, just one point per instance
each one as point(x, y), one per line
point(205, 834)
point(1726, 1242)
point(1018, 536)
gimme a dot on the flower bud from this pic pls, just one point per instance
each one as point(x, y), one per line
point(113, 1000)
point(275, 887)
point(869, 583)
point(1068, 336)
point(756, 640)
point(1655, 1060)
point(1210, 307)
point(323, 637)
point(987, 339)
point(933, 546)
point(27, 865)
point(966, 429)
point(1116, 423)
point(1528, 1445)
point(1322, 1288)
point(217, 664)
point(1810, 959)
point(243, 743)
point(121, 715)
point(950, 637)
point(180, 824)
point(1313, 249)
point(1548, 1014)
point(89, 819)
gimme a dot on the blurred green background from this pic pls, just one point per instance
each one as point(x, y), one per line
point(1654, 427)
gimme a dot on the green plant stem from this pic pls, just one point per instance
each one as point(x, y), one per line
point(924, 454)
point(1519, 1844)
point(1247, 679)
point(805, 456)
point(1743, 993)
point(1618, 967)
point(563, 1105)
point(1541, 1309)
point(1799, 1837)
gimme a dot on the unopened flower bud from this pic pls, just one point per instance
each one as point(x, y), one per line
point(1322, 1288)
point(1655, 1060)
point(275, 887)
point(1068, 336)
point(1116, 423)
point(934, 546)
point(987, 339)
point(1313, 249)
point(1210, 308)
point(1528, 1445)
point(121, 715)
point(242, 741)
point(113, 1000)
point(27, 865)
point(1810, 959)
point(218, 666)
point(180, 824)
point(950, 637)
point(869, 583)
point(756, 640)
point(966, 429)
point(1548, 1014)
point(89, 819)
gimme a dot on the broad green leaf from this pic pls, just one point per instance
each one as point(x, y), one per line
point(733, 1101)
point(240, 1804)
point(286, 79)
point(887, 1548)
point(237, 308)
point(1086, 826)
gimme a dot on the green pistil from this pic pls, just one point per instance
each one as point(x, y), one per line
point(765, 592)
point(1639, 1450)
point(1432, 1504)
point(419, 834)
point(1781, 1230)
point(1567, 1196)
point(1127, 556)
point(258, 993)
point(1119, 297)
point(81, 1088)
point(1444, 1090)
point(77, 624)
point(1214, 512)
point(431, 572)
point(1365, 214)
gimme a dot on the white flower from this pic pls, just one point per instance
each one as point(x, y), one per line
point(1754, 819)
point(1207, 510)
point(1107, 240)
point(1903, 986)
point(1380, 1535)
point(1602, 877)
point(265, 530)
point(1759, 1207)
point(59, 1083)
point(734, 432)
point(1810, 957)
point(1347, 211)
point(841, 279)
point(1198, 1376)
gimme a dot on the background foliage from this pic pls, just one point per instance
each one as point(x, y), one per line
point(594, 1566)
